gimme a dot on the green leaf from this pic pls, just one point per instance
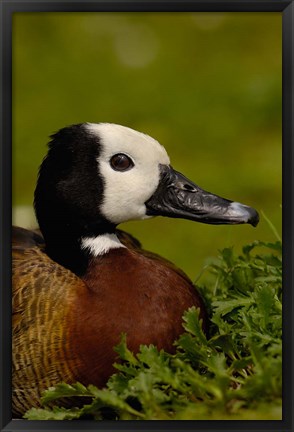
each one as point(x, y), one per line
point(118, 383)
point(277, 246)
point(242, 363)
point(223, 307)
point(150, 356)
point(226, 343)
point(62, 390)
point(265, 300)
point(55, 414)
point(124, 352)
point(192, 348)
point(193, 324)
point(228, 256)
point(110, 398)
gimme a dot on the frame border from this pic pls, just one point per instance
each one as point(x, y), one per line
point(7, 8)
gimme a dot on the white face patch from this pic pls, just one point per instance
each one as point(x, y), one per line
point(101, 244)
point(125, 192)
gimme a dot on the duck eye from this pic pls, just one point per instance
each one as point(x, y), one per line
point(121, 162)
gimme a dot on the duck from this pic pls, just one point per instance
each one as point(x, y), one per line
point(78, 281)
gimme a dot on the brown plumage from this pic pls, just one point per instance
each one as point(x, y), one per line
point(79, 283)
point(40, 327)
point(65, 327)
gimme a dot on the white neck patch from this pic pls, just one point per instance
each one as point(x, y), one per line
point(101, 244)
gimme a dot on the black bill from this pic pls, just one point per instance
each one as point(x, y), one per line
point(178, 197)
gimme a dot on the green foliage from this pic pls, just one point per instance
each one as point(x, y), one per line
point(234, 372)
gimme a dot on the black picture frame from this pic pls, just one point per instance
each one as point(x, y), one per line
point(7, 8)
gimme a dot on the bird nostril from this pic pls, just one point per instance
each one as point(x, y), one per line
point(189, 188)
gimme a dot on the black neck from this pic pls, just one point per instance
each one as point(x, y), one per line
point(68, 197)
point(63, 245)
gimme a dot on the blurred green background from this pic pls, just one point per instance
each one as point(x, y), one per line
point(206, 85)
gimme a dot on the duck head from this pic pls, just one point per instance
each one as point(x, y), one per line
point(96, 176)
point(139, 182)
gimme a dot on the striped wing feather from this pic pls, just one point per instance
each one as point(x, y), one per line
point(42, 295)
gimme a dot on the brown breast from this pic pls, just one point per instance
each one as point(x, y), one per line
point(128, 293)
